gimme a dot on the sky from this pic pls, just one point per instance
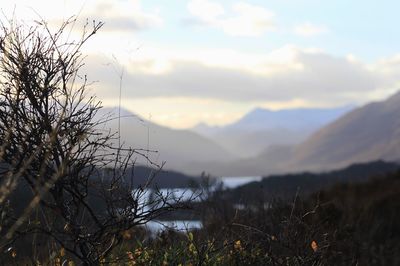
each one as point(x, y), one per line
point(184, 62)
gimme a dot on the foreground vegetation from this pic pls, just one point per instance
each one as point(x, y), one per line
point(347, 224)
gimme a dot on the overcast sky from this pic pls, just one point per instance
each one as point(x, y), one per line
point(191, 61)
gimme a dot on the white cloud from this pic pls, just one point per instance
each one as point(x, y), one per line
point(190, 85)
point(126, 16)
point(388, 70)
point(244, 20)
point(117, 37)
point(119, 15)
point(156, 60)
point(308, 29)
point(206, 11)
point(311, 77)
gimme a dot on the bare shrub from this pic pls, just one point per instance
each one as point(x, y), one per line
point(77, 185)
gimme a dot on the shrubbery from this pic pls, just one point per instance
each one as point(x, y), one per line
point(347, 224)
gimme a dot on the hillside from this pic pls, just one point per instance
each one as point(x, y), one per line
point(178, 148)
point(160, 178)
point(368, 133)
point(286, 186)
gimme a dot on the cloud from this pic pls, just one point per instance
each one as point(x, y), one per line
point(206, 11)
point(389, 75)
point(243, 20)
point(308, 76)
point(125, 15)
point(308, 30)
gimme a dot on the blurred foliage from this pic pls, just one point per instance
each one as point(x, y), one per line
point(345, 224)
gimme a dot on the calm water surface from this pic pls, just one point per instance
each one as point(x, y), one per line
point(184, 194)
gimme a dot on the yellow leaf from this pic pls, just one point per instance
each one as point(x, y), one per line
point(126, 234)
point(238, 244)
point(192, 248)
point(190, 236)
point(314, 246)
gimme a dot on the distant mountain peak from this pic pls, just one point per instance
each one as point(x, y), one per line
point(289, 119)
point(261, 128)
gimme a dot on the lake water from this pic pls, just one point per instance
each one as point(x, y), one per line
point(234, 182)
point(185, 194)
point(155, 227)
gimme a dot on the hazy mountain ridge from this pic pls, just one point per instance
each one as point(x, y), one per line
point(290, 119)
point(261, 128)
point(257, 152)
point(179, 148)
point(368, 133)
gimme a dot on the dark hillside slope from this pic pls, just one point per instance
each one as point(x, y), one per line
point(161, 178)
point(286, 186)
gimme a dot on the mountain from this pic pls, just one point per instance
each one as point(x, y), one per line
point(262, 128)
point(289, 119)
point(178, 148)
point(368, 133)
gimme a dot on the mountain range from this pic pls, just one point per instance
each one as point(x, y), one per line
point(368, 133)
point(261, 128)
point(267, 142)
